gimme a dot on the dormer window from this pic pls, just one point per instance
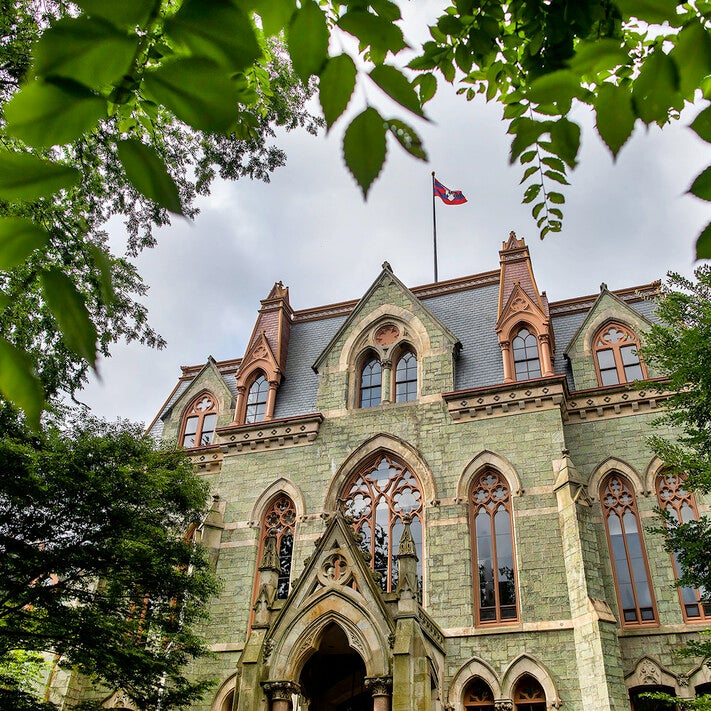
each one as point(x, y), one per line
point(371, 382)
point(257, 400)
point(527, 363)
point(200, 421)
point(617, 355)
point(406, 377)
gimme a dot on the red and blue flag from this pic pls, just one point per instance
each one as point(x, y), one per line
point(449, 197)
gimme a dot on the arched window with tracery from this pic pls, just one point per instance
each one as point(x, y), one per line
point(377, 497)
point(529, 695)
point(279, 520)
point(629, 559)
point(199, 422)
point(527, 363)
point(371, 382)
point(478, 696)
point(679, 502)
point(257, 400)
point(617, 355)
point(494, 560)
point(406, 377)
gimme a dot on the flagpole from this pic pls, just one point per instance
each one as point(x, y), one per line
point(434, 227)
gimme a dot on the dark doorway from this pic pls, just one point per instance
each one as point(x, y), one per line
point(334, 677)
point(640, 703)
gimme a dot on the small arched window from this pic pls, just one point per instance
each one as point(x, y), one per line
point(478, 696)
point(257, 400)
point(679, 502)
point(371, 382)
point(494, 561)
point(529, 695)
point(527, 362)
point(406, 377)
point(199, 423)
point(376, 498)
point(629, 559)
point(279, 520)
point(616, 355)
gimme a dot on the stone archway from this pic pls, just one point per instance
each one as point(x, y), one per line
point(333, 678)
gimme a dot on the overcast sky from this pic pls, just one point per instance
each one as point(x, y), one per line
point(626, 223)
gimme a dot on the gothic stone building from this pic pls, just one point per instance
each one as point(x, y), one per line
point(438, 498)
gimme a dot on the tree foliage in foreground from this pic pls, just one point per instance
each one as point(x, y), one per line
point(117, 72)
point(680, 348)
point(95, 564)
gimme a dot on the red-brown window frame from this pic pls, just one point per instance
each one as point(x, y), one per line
point(365, 360)
point(478, 703)
point(529, 702)
point(404, 351)
point(256, 377)
point(630, 505)
point(599, 345)
point(475, 506)
point(516, 334)
point(674, 503)
point(192, 411)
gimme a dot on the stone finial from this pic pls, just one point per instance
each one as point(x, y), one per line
point(407, 583)
point(386, 265)
point(407, 543)
point(603, 287)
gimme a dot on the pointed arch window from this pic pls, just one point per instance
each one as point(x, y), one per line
point(279, 520)
point(257, 400)
point(494, 561)
point(529, 695)
point(406, 377)
point(527, 363)
point(199, 423)
point(629, 559)
point(677, 500)
point(371, 381)
point(616, 355)
point(377, 497)
point(478, 696)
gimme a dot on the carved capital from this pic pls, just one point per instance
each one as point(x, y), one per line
point(280, 690)
point(505, 346)
point(379, 685)
point(241, 389)
point(503, 705)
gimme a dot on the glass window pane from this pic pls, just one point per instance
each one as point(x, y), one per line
point(609, 377)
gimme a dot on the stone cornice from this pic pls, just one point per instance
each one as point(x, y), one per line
point(206, 459)
point(274, 434)
point(609, 402)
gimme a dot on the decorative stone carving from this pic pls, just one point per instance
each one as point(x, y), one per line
point(503, 705)
point(379, 685)
point(649, 673)
point(335, 570)
point(268, 648)
point(270, 557)
point(682, 680)
point(280, 690)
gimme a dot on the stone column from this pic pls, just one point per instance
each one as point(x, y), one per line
point(386, 377)
point(381, 688)
point(506, 355)
point(280, 694)
point(271, 397)
point(240, 404)
point(546, 360)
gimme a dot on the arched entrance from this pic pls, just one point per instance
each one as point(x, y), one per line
point(333, 679)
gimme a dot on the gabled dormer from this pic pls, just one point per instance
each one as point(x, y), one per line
point(523, 325)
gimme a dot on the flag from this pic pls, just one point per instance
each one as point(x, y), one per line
point(449, 197)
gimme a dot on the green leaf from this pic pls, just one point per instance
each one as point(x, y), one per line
point(555, 175)
point(615, 118)
point(307, 39)
point(393, 82)
point(407, 138)
point(514, 110)
point(90, 51)
point(528, 173)
point(336, 85)
point(19, 383)
point(701, 187)
point(19, 237)
point(703, 243)
point(197, 91)
point(127, 13)
point(216, 29)
point(102, 262)
point(565, 139)
point(597, 56)
point(373, 31)
point(702, 124)
point(556, 198)
point(654, 91)
point(537, 209)
point(527, 133)
point(427, 84)
point(692, 57)
point(364, 148)
point(527, 157)
point(650, 11)
point(26, 177)
point(532, 192)
point(68, 307)
point(560, 86)
point(275, 15)
point(555, 163)
point(44, 114)
point(148, 174)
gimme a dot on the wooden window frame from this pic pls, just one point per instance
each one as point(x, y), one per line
point(600, 345)
point(612, 504)
point(528, 702)
point(193, 411)
point(532, 333)
point(492, 491)
point(674, 501)
point(259, 375)
point(368, 358)
point(480, 703)
point(402, 354)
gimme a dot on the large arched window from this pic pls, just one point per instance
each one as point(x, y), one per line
point(199, 423)
point(371, 381)
point(406, 377)
point(616, 355)
point(494, 561)
point(377, 497)
point(629, 559)
point(529, 695)
point(678, 501)
point(478, 696)
point(257, 400)
point(527, 363)
point(279, 520)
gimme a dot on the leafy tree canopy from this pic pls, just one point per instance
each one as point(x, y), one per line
point(95, 563)
point(116, 72)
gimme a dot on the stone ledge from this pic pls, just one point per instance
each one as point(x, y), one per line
point(206, 459)
point(605, 403)
point(274, 434)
